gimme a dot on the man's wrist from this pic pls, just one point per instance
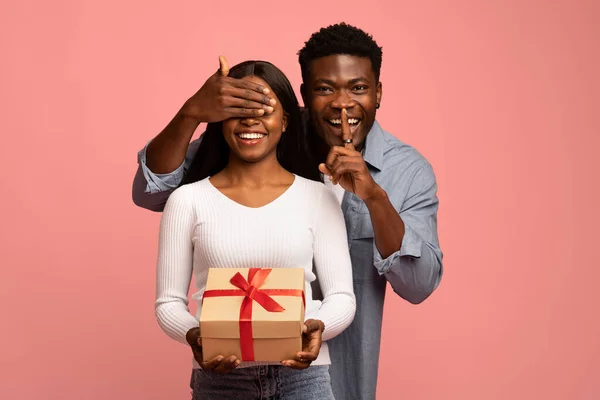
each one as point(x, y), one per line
point(190, 115)
point(377, 195)
point(183, 126)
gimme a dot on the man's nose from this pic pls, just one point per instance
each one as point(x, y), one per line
point(343, 100)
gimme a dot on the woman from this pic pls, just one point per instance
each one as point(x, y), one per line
point(256, 200)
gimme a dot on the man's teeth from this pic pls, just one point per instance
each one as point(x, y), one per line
point(351, 121)
point(251, 135)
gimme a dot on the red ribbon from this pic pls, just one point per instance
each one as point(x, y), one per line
point(250, 289)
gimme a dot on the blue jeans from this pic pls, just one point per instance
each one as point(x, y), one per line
point(263, 382)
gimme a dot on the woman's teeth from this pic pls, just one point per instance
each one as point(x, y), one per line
point(250, 136)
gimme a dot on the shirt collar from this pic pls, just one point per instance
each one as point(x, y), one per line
point(374, 147)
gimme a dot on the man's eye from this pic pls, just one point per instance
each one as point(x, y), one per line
point(360, 88)
point(323, 89)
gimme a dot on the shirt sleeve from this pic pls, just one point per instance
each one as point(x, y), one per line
point(175, 266)
point(333, 266)
point(415, 270)
point(150, 190)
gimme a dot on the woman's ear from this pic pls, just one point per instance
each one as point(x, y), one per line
point(285, 122)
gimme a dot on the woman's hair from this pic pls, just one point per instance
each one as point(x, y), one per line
point(292, 149)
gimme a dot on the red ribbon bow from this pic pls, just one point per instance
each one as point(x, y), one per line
point(251, 291)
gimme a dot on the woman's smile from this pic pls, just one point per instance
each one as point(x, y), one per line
point(250, 138)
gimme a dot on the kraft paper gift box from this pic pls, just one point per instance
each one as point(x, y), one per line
point(255, 314)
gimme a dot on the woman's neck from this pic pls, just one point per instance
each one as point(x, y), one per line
point(264, 172)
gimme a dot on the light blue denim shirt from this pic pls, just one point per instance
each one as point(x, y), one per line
point(414, 271)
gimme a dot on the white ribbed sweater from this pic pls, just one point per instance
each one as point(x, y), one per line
point(202, 228)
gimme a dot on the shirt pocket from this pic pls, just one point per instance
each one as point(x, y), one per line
point(361, 227)
point(361, 248)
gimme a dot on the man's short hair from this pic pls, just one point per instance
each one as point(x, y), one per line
point(340, 39)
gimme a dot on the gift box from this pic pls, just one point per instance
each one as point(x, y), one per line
point(255, 314)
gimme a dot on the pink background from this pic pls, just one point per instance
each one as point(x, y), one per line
point(501, 96)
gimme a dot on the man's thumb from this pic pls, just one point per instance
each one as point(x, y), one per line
point(223, 66)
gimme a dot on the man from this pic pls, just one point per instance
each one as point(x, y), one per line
point(386, 188)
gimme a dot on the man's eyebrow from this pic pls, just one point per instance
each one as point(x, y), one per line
point(325, 81)
point(357, 80)
point(332, 83)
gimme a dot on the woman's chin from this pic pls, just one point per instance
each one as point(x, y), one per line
point(251, 157)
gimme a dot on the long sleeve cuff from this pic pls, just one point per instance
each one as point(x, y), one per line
point(415, 277)
point(156, 183)
point(337, 314)
point(412, 244)
point(176, 322)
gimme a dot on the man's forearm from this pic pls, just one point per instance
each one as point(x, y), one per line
point(166, 152)
point(415, 278)
point(388, 227)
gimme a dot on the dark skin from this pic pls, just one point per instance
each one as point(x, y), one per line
point(253, 177)
point(312, 338)
point(344, 88)
point(218, 99)
point(312, 334)
point(337, 82)
point(219, 364)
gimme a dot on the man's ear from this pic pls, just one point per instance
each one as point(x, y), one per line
point(379, 92)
